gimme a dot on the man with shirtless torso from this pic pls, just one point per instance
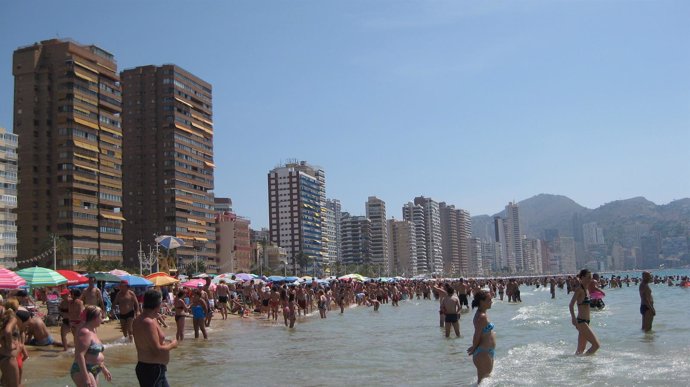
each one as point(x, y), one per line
point(128, 306)
point(153, 353)
point(646, 302)
point(93, 296)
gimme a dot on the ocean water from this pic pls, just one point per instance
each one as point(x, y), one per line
point(404, 346)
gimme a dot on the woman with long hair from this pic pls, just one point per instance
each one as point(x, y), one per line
point(484, 338)
point(88, 350)
point(581, 322)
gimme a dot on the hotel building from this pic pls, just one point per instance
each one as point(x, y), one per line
point(8, 199)
point(168, 162)
point(67, 105)
point(378, 246)
point(297, 199)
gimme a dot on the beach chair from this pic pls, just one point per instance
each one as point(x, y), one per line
point(53, 317)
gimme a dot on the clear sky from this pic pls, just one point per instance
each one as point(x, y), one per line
point(475, 103)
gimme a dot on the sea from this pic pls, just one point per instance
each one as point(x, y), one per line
point(404, 346)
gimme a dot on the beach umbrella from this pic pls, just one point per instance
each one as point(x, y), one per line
point(136, 281)
point(162, 280)
point(157, 274)
point(227, 277)
point(194, 283)
point(306, 278)
point(10, 279)
point(200, 275)
point(291, 279)
point(244, 277)
point(169, 242)
point(73, 278)
point(118, 272)
point(103, 276)
point(275, 278)
point(40, 276)
point(354, 276)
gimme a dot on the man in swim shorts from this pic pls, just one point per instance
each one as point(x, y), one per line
point(128, 305)
point(646, 302)
point(153, 352)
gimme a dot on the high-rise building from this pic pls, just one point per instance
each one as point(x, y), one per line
point(67, 105)
point(378, 245)
point(476, 263)
point(414, 214)
point(532, 256)
point(514, 237)
point(434, 239)
point(356, 243)
point(464, 236)
point(8, 199)
point(491, 255)
point(332, 229)
point(592, 235)
point(297, 198)
point(450, 235)
point(168, 161)
point(402, 248)
point(502, 264)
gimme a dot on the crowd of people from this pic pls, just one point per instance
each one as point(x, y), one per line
point(143, 315)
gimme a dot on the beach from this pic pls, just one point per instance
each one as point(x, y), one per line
point(404, 346)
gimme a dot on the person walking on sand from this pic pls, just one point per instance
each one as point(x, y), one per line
point(153, 353)
point(92, 295)
point(128, 306)
point(581, 322)
point(483, 347)
point(646, 302)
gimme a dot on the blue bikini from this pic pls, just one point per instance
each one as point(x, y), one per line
point(491, 351)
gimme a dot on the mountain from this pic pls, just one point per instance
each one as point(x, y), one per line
point(623, 221)
point(538, 213)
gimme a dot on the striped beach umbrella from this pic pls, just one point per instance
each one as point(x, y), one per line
point(37, 277)
point(10, 279)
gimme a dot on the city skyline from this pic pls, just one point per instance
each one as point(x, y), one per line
point(505, 111)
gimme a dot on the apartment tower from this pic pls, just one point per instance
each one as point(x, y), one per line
point(356, 244)
point(8, 199)
point(434, 238)
point(67, 105)
point(168, 153)
point(414, 214)
point(376, 213)
point(332, 230)
point(403, 248)
point(296, 199)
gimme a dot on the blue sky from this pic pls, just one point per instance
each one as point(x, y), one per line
point(475, 103)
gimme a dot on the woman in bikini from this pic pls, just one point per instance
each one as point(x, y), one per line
point(64, 313)
point(181, 311)
point(75, 309)
point(10, 345)
point(88, 351)
point(484, 339)
point(581, 322)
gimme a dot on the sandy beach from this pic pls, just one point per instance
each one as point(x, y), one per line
point(51, 360)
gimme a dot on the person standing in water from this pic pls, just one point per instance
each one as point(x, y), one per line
point(483, 347)
point(581, 322)
point(451, 306)
point(646, 302)
point(153, 353)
